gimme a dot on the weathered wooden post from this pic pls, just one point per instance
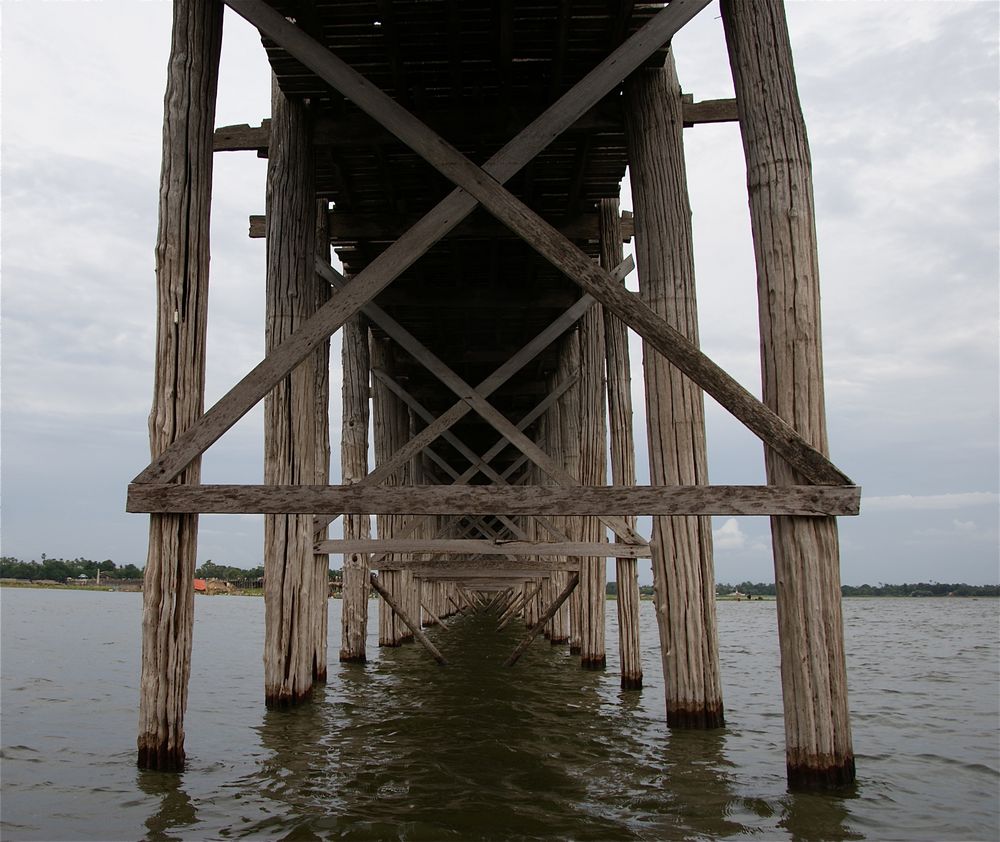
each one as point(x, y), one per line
point(182, 258)
point(619, 381)
point(321, 408)
point(818, 746)
point(593, 471)
point(390, 428)
point(683, 572)
point(293, 440)
point(354, 467)
point(569, 455)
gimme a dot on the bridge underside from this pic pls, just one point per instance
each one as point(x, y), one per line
point(464, 161)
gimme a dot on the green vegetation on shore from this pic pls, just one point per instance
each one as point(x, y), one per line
point(56, 571)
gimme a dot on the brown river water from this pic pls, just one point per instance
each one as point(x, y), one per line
point(404, 749)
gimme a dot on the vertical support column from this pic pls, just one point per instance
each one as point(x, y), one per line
point(390, 428)
point(683, 571)
point(354, 467)
point(593, 471)
point(622, 447)
point(818, 747)
point(321, 562)
point(182, 258)
point(292, 449)
point(569, 452)
point(549, 435)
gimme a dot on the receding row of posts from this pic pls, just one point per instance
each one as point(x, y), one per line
point(593, 407)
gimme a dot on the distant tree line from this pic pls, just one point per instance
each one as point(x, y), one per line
point(60, 569)
point(905, 589)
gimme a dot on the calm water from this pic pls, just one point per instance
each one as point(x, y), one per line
point(405, 749)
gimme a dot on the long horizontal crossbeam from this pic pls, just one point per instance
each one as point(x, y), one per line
point(805, 500)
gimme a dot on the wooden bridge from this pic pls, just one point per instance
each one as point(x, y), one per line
point(464, 161)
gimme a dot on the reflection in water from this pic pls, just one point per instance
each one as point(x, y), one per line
point(175, 810)
point(817, 818)
point(403, 749)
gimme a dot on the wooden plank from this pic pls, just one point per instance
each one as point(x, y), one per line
point(566, 257)
point(453, 546)
point(417, 240)
point(710, 111)
point(364, 226)
point(547, 615)
point(805, 500)
point(415, 628)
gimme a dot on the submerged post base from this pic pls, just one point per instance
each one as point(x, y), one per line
point(596, 663)
point(157, 756)
point(346, 658)
point(283, 699)
point(632, 682)
point(701, 717)
point(823, 773)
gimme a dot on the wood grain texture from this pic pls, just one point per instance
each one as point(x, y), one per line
point(321, 410)
point(683, 572)
point(390, 428)
point(622, 449)
point(593, 472)
point(182, 271)
point(293, 440)
point(819, 750)
point(355, 366)
point(418, 239)
point(806, 500)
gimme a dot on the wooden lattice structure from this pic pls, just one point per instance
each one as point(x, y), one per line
point(464, 160)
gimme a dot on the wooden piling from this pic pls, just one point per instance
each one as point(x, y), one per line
point(619, 386)
point(683, 572)
point(354, 466)
point(593, 471)
point(182, 258)
point(321, 476)
point(389, 429)
point(569, 451)
point(293, 448)
point(818, 748)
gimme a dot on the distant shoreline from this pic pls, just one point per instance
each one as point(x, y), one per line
point(130, 588)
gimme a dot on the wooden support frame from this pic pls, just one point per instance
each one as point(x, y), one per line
point(484, 184)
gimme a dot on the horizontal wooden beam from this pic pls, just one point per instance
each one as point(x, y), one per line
point(803, 500)
point(455, 546)
point(390, 227)
point(361, 131)
point(710, 111)
point(472, 572)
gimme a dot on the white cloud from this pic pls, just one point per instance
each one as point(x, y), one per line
point(729, 536)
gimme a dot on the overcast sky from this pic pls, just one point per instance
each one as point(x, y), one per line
point(900, 100)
